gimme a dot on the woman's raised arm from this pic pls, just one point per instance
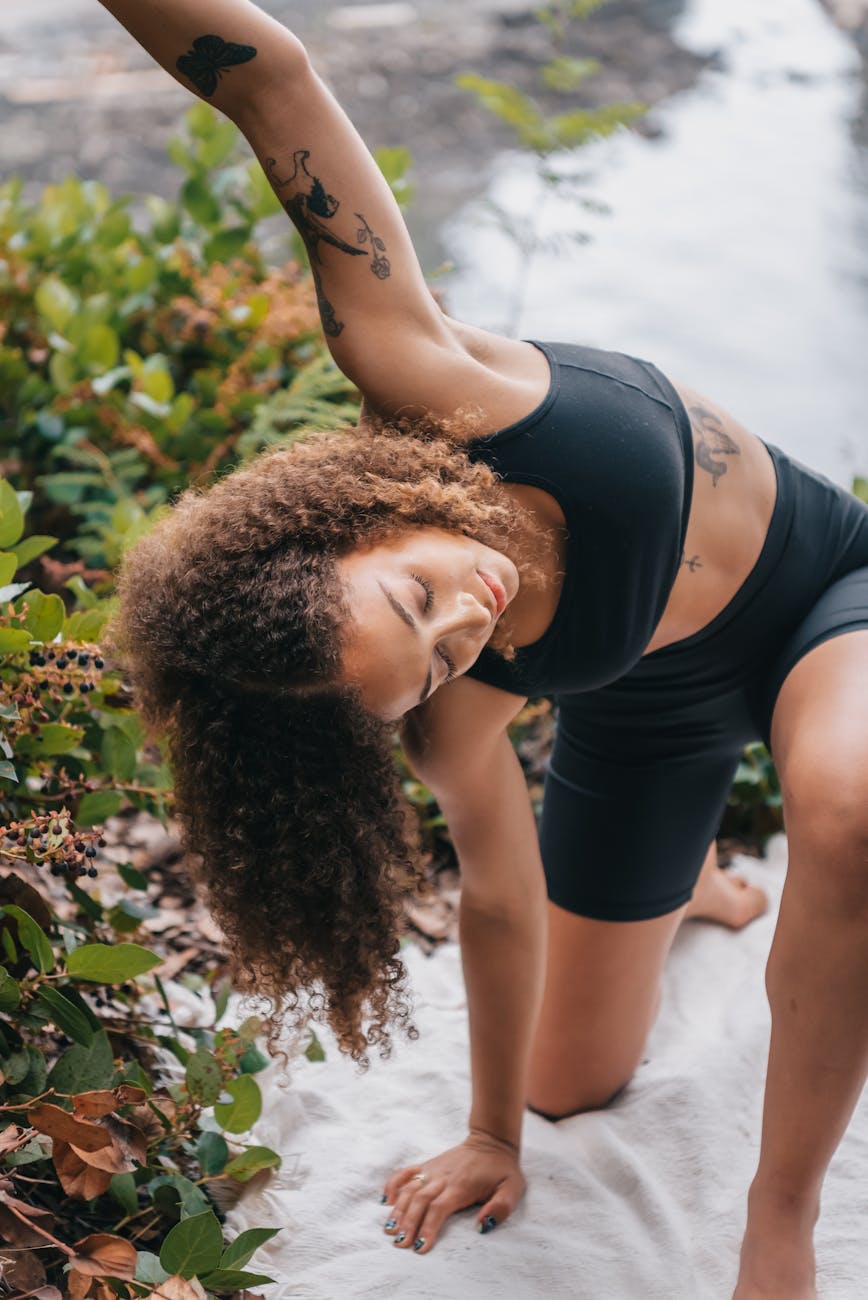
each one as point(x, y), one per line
point(382, 325)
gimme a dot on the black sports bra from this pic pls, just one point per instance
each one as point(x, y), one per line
point(612, 443)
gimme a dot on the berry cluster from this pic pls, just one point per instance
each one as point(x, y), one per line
point(55, 844)
point(73, 661)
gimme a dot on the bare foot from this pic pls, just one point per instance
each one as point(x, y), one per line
point(720, 896)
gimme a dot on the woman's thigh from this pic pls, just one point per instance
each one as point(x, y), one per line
point(602, 992)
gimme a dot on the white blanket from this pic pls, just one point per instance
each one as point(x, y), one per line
point(644, 1199)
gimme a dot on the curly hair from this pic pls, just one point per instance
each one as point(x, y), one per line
point(228, 625)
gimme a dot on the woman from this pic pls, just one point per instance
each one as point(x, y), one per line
point(511, 518)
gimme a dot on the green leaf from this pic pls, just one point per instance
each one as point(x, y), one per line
point(199, 201)
point(81, 1068)
point(31, 936)
point(244, 1110)
point(252, 1060)
point(123, 1189)
point(193, 1246)
point(227, 244)
point(100, 347)
point(314, 1050)
point(66, 1016)
point(212, 1153)
point(243, 1167)
point(395, 163)
point(238, 1252)
point(97, 805)
point(45, 615)
point(11, 516)
point(860, 488)
point(149, 1269)
point(8, 565)
point(204, 1077)
point(15, 1066)
point(55, 301)
point(567, 74)
point(130, 876)
point(13, 639)
point(178, 1197)
point(7, 771)
point(118, 754)
point(30, 547)
point(53, 738)
point(229, 1279)
point(10, 994)
point(104, 964)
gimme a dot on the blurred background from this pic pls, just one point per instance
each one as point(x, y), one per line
point(723, 236)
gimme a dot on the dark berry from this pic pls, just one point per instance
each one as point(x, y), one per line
point(99, 662)
point(56, 869)
point(62, 661)
point(51, 654)
point(83, 656)
point(84, 688)
point(101, 842)
point(67, 688)
point(91, 871)
point(57, 829)
point(90, 851)
point(78, 845)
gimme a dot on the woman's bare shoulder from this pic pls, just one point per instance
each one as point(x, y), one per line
point(504, 379)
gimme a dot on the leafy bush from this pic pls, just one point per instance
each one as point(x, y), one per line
point(134, 362)
point(96, 1135)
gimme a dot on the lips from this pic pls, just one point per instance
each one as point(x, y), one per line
point(497, 590)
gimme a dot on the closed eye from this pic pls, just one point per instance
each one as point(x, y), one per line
point(427, 588)
point(451, 674)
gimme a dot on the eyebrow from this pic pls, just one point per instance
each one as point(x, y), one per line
point(406, 617)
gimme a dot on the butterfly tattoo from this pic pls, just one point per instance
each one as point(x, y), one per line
point(210, 56)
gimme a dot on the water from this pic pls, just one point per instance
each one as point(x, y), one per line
point(735, 254)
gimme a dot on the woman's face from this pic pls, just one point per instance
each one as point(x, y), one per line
point(423, 605)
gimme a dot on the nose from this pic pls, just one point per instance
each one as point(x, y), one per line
point(468, 616)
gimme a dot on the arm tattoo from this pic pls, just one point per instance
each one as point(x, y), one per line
point(309, 212)
point(693, 563)
point(209, 58)
point(713, 441)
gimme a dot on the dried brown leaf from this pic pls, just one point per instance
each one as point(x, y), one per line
point(104, 1255)
point(178, 1288)
point(94, 1104)
point(9, 1138)
point(76, 1177)
point(59, 1124)
point(129, 1095)
point(22, 1271)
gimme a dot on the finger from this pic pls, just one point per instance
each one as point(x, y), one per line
point(410, 1209)
point(501, 1205)
point(393, 1185)
point(439, 1210)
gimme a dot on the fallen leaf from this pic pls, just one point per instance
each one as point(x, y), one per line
point(104, 1255)
point(76, 1177)
point(94, 1104)
point(178, 1288)
point(56, 1123)
point(22, 1271)
point(9, 1138)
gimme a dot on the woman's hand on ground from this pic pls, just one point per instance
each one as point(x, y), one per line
point(482, 1170)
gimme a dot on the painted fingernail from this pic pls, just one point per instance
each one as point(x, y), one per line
point(384, 1200)
point(487, 1224)
point(402, 1236)
point(390, 1223)
point(418, 1243)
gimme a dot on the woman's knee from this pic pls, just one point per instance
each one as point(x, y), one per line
point(561, 1105)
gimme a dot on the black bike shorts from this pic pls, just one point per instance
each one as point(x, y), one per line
point(641, 769)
